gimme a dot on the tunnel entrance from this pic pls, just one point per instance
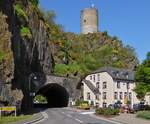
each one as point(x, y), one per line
point(56, 95)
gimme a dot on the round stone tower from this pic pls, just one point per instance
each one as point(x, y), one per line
point(89, 20)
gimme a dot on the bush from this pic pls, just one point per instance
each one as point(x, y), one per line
point(143, 114)
point(20, 12)
point(100, 111)
point(146, 107)
point(25, 32)
point(34, 2)
point(107, 111)
point(40, 99)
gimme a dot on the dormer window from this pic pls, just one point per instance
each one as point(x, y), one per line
point(127, 76)
point(94, 78)
point(117, 73)
point(91, 77)
point(98, 77)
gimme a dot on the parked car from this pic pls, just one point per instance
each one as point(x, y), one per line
point(84, 106)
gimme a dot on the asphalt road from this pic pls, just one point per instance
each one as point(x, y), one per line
point(67, 116)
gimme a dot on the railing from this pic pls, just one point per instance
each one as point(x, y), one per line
point(8, 109)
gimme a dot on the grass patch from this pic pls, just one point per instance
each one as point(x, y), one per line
point(143, 114)
point(10, 119)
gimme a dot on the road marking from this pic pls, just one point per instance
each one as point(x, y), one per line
point(63, 112)
point(79, 120)
point(69, 115)
point(45, 116)
point(87, 113)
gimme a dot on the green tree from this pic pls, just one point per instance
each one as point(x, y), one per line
point(142, 77)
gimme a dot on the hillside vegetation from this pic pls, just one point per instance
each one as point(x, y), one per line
point(79, 54)
point(76, 54)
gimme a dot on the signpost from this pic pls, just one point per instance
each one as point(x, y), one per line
point(8, 109)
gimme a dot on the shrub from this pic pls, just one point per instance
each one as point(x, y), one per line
point(25, 32)
point(143, 114)
point(146, 107)
point(77, 103)
point(34, 2)
point(100, 111)
point(116, 111)
point(40, 99)
point(20, 12)
point(107, 111)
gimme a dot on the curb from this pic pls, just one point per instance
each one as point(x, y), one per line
point(35, 120)
point(44, 117)
point(107, 120)
point(117, 121)
point(97, 117)
point(39, 117)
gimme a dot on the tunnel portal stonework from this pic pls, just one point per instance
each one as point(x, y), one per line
point(70, 85)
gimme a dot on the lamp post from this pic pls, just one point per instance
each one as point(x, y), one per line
point(31, 94)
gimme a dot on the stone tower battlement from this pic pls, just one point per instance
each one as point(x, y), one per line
point(89, 20)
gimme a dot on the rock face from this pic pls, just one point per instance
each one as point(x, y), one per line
point(29, 45)
point(6, 61)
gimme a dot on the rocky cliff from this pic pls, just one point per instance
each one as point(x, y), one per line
point(27, 46)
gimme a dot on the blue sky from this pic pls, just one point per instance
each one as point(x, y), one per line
point(129, 20)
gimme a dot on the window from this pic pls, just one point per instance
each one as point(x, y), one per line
point(97, 85)
point(97, 96)
point(98, 77)
point(130, 96)
point(125, 95)
point(94, 78)
point(115, 95)
point(104, 95)
point(104, 104)
point(128, 85)
point(104, 85)
point(91, 77)
point(118, 84)
point(120, 95)
point(127, 76)
point(117, 74)
point(88, 96)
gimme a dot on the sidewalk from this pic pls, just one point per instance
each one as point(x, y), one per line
point(129, 119)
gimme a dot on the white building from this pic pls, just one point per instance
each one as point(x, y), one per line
point(108, 86)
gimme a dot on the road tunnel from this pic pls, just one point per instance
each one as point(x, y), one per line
point(56, 95)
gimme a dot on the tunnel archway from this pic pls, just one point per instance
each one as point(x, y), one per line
point(56, 95)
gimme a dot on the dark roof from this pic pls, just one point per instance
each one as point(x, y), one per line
point(117, 73)
point(91, 86)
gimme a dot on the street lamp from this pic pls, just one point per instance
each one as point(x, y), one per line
point(31, 76)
